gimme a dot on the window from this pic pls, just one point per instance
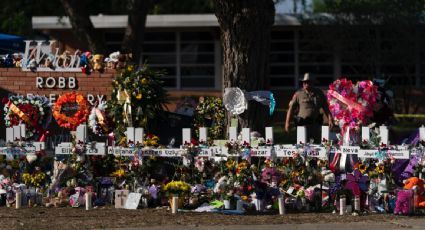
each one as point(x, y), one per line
point(282, 59)
point(187, 57)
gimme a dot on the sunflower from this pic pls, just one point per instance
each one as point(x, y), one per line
point(230, 164)
point(243, 165)
point(380, 169)
point(362, 168)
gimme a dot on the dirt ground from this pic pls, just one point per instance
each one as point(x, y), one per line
point(109, 217)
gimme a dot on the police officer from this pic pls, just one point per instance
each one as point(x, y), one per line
point(311, 103)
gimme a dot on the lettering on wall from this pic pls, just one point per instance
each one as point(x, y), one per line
point(58, 83)
point(48, 58)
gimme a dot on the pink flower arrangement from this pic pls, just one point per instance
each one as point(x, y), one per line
point(351, 105)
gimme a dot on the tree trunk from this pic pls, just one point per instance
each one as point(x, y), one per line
point(246, 33)
point(134, 33)
point(82, 26)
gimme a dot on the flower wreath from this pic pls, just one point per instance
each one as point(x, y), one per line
point(352, 105)
point(98, 121)
point(34, 111)
point(72, 121)
point(210, 108)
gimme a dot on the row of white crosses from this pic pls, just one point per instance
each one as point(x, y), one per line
point(95, 148)
point(16, 134)
point(135, 136)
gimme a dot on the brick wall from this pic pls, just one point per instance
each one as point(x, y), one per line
point(13, 80)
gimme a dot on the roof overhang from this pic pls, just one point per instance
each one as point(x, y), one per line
point(153, 21)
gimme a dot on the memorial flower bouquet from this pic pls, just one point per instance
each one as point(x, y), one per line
point(151, 140)
point(180, 188)
point(351, 105)
point(138, 99)
point(33, 111)
point(37, 179)
point(210, 113)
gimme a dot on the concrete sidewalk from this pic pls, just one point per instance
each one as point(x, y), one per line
point(399, 224)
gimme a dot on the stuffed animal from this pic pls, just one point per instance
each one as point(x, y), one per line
point(328, 175)
point(221, 184)
point(113, 60)
point(403, 204)
point(98, 63)
point(85, 62)
point(123, 59)
point(416, 184)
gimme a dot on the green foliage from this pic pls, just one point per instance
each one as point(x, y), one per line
point(210, 110)
point(142, 90)
point(15, 16)
point(372, 11)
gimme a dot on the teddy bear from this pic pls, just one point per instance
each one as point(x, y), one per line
point(123, 59)
point(113, 60)
point(98, 63)
point(416, 184)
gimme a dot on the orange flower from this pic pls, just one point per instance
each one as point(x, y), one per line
point(80, 116)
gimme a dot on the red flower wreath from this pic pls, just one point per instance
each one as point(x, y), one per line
point(80, 116)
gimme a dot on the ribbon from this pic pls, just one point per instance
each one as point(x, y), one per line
point(264, 97)
point(125, 99)
point(40, 131)
point(350, 103)
point(101, 119)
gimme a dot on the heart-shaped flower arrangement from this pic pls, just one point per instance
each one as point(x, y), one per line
point(351, 105)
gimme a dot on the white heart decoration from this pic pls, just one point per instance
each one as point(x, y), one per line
point(31, 158)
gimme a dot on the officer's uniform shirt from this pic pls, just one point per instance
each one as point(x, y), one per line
point(309, 103)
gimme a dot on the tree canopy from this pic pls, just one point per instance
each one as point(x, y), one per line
point(372, 11)
point(15, 16)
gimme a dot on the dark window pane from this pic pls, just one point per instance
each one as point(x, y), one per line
point(278, 58)
point(167, 70)
point(281, 70)
point(316, 57)
point(196, 36)
point(281, 81)
point(282, 46)
point(316, 69)
point(197, 58)
point(166, 47)
point(113, 47)
point(160, 36)
point(160, 59)
point(397, 69)
point(197, 70)
point(324, 81)
point(282, 35)
point(197, 47)
point(197, 82)
point(169, 82)
point(111, 36)
point(310, 46)
point(402, 80)
point(356, 69)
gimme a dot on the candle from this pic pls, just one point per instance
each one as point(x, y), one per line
point(88, 197)
point(18, 199)
point(174, 205)
point(281, 201)
point(342, 205)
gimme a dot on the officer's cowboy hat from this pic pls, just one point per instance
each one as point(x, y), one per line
point(307, 78)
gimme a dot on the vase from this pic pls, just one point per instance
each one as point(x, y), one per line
point(180, 201)
point(226, 204)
